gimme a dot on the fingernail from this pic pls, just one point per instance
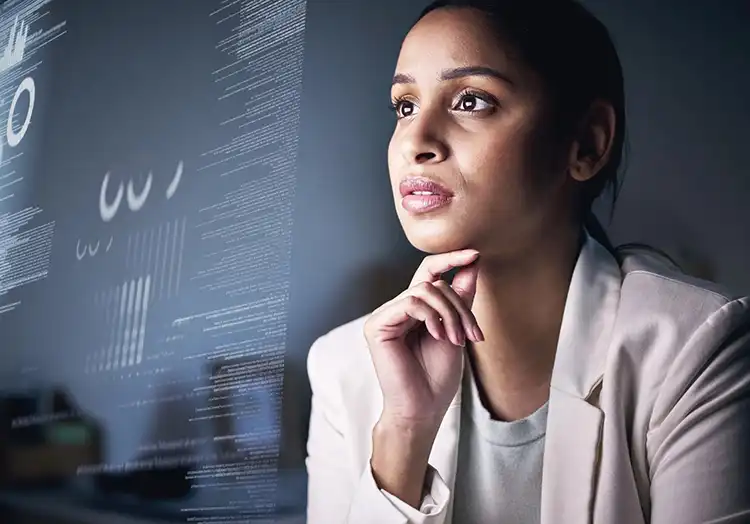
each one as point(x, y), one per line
point(478, 334)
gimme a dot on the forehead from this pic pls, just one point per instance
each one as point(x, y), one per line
point(453, 37)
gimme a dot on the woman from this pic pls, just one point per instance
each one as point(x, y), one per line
point(555, 380)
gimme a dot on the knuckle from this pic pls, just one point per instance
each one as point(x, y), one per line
point(442, 285)
point(413, 301)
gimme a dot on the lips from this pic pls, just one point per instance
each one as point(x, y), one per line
point(423, 187)
point(422, 195)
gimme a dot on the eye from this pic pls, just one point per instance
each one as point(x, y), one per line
point(472, 102)
point(403, 107)
point(468, 101)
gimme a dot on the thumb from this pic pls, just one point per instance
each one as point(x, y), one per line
point(465, 283)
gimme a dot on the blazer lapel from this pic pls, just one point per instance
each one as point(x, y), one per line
point(570, 459)
point(574, 423)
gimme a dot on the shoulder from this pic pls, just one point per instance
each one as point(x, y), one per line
point(339, 363)
point(656, 292)
point(343, 381)
point(650, 275)
point(678, 333)
point(339, 349)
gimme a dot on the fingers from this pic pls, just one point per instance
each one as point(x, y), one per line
point(401, 316)
point(445, 309)
point(433, 266)
point(467, 322)
point(455, 321)
point(437, 299)
point(465, 283)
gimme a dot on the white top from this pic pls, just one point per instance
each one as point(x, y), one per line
point(499, 471)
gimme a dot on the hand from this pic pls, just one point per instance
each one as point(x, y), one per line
point(416, 338)
point(415, 341)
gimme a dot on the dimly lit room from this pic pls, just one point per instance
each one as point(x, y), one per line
point(358, 262)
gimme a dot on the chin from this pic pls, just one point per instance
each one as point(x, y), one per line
point(434, 236)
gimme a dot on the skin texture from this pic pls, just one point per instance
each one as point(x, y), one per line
point(515, 191)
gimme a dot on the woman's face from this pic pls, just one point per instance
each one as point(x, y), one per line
point(475, 121)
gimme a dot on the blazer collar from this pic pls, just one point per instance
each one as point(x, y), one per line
point(588, 319)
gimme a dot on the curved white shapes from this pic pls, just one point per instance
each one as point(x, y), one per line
point(93, 251)
point(109, 245)
point(172, 189)
point(106, 210)
point(80, 255)
point(135, 202)
point(27, 84)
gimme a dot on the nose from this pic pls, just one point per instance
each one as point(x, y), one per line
point(422, 143)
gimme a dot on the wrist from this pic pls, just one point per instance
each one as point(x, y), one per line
point(400, 457)
point(416, 429)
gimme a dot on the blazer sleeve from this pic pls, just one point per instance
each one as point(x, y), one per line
point(336, 492)
point(700, 447)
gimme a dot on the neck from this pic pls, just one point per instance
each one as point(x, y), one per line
point(519, 306)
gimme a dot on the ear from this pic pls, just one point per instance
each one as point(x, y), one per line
point(592, 144)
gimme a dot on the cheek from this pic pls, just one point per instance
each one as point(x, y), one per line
point(394, 160)
point(391, 148)
point(493, 164)
point(503, 173)
point(391, 151)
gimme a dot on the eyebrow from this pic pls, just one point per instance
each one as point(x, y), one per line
point(458, 72)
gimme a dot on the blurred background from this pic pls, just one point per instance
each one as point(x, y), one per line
point(192, 191)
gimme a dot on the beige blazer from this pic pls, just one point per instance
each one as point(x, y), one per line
point(649, 409)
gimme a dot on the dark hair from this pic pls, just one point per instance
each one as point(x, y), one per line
point(577, 61)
